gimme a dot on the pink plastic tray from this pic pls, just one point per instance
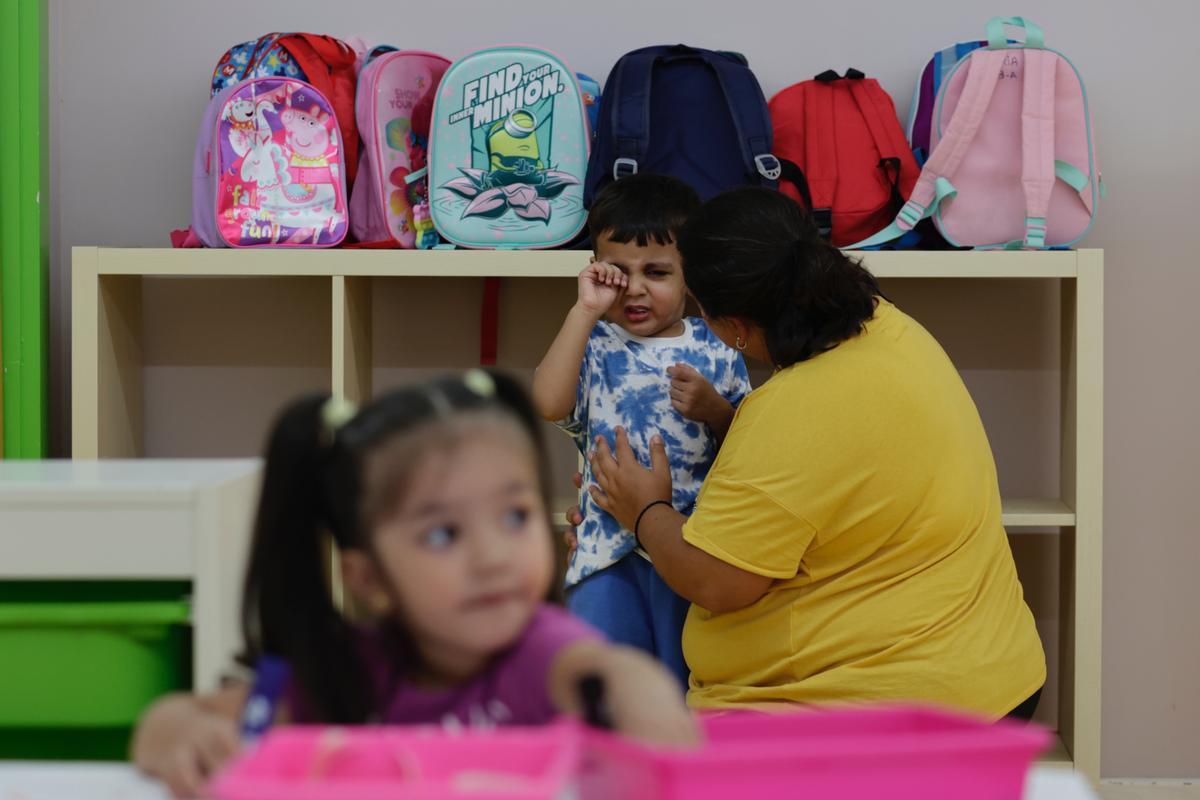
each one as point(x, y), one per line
point(406, 764)
point(899, 753)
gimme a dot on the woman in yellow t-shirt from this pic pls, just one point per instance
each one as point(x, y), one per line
point(847, 543)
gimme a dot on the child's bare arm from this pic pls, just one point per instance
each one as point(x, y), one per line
point(643, 700)
point(697, 399)
point(556, 378)
point(183, 739)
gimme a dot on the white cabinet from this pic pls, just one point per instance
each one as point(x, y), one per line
point(137, 520)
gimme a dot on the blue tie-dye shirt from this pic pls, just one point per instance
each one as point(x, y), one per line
point(623, 381)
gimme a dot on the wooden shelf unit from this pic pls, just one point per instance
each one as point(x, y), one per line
point(108, 413)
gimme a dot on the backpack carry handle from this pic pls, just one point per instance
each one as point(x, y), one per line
point(998, 39)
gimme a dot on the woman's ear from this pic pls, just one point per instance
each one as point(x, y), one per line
point(742, 335)
point(365, 588)
point(741, 329)
point(730, 330)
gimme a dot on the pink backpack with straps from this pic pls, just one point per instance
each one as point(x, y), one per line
point(1012, 162)
point(390, 201)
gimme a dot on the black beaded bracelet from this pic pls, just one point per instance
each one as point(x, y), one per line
point(642, 514)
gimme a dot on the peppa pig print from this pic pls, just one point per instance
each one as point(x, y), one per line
point(275, 168)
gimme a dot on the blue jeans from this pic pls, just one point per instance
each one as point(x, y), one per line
point(632, 605)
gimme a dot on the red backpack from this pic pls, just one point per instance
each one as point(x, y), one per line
point(843, 153)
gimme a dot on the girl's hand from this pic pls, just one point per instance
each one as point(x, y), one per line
point(599, 287)
point(641, 698)
point(646, 703)
point(183, 739)
point(694, 397)
point(206, 746)
point(623, 486)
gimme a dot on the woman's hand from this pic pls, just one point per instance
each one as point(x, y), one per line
point(574, 519)
point(623, 486)
point(599, 287)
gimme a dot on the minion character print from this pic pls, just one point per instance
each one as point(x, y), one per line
point(513, 150)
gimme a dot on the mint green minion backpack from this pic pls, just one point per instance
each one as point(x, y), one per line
point(508, 151)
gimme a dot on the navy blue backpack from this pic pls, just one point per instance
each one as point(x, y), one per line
point(696, 114)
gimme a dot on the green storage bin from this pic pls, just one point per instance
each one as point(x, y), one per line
point(81, 661)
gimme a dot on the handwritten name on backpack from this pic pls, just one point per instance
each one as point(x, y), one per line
point(1008, 69)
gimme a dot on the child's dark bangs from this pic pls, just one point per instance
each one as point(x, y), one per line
point(641, 233)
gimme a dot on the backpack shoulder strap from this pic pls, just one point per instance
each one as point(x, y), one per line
point(748, 107)
point(983, 67)
point(631, 110)
point(1037, 142)
point(889, 139)
point(820, 150)
point(873, 108)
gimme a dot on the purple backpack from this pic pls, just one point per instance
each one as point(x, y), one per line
point(920, 114)
point(269, 168)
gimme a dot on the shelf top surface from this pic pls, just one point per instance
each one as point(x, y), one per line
point(1030, 510)
point(1018, 512)
point(523, 263)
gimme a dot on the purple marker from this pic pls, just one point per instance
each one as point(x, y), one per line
point(270, 681)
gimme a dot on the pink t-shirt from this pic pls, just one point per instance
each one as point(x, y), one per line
point(512, 692)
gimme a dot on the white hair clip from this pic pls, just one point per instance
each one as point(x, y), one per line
point(480, 382)
point(336, 412)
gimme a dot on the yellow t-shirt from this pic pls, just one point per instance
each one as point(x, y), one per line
point(862, 481)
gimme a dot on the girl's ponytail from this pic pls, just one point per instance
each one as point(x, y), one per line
point(287, 610)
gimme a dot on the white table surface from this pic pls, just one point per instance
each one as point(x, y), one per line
point(83, 781)
point(165, 473)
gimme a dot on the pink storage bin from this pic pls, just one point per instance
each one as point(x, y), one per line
point(406, 763)
point(901, 753)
